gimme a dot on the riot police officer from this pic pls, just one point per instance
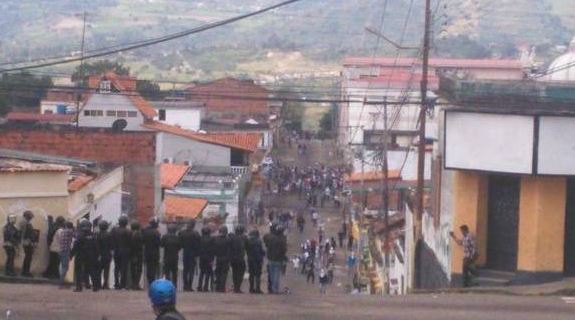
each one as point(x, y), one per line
point(190, 240)
point(171, 244)
point(106, 246)
point(222, 248)
point(256, 253)
point(30, 238)
point(85, 252)
point(151, 239)
point(237, 257)
point(206, 260)
point(122, 238)
point(136, 255)
point(11, 241)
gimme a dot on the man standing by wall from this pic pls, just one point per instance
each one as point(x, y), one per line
point(30, 237)
point(11, 241)
point(470, 254)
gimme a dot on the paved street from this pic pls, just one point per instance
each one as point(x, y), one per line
point(49, 303)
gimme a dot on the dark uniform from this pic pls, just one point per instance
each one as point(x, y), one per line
point(122, 238)
point(171, 244)
point(256, 253)
point(136, 255)
point(237, 257)
point(106, 246)
point(222, 248)
point(86, 252)
point(206, 260)
point(11, 241)
point(151, 239)
point(29, 242)
point(191, 244)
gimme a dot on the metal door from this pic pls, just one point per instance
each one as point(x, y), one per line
point(569, 264)
point(503, 222)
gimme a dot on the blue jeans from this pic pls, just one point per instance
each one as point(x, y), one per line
point(64, 264)
point(275, 270)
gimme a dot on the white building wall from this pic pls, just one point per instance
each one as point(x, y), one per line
point(189, 119)
point(107, 194)
point(110, 102)
point(179, 149)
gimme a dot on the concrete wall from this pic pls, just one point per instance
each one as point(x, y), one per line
point(105, 102)
point(20, 192)
point(541, 224)
point(181, 149)
point(188, 118)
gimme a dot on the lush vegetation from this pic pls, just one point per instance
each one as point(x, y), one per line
point(322, 31)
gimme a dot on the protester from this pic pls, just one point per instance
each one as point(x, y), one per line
point(65, 237)
point(162, 294)
point(470, 255)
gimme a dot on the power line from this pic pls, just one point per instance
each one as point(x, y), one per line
point(157, 40)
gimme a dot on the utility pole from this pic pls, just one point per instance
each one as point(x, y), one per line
point(421, 146)
point(81, 72)
point(385, 194)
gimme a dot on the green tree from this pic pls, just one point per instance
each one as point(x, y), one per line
point(99, 67)
point(22, 90)
point(148, 89)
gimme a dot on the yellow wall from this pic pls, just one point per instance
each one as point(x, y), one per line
point(470, 208)
point(541, 224)
point(42, 193)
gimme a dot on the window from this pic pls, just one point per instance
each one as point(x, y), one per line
point(162, 114)
point(122, 114)
point(105, 86)
point(87, 113)
point(96, 113)
point(100, 113)
point(132, 114)
point(111, 113)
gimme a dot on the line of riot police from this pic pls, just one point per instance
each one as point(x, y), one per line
point(131, 248)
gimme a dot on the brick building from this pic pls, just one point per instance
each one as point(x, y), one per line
point(222, 104)
point(136, 151)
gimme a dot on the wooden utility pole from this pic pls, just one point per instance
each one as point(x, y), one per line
point(81, 72)
point(421, 146)
point(385, 194)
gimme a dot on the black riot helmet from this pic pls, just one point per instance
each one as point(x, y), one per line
point(135, 226)
point(240, 229)
point(153, 222)
point(223, 231)
point(85, 225)
point(123, 220)
point(103, 225)
point(206, 231)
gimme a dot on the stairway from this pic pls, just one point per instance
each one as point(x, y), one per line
point(493, 278)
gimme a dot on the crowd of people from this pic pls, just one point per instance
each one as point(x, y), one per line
point(209, 253)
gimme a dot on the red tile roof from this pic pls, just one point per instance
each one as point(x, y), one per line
point(172, 174)
point(12, 166)
point(237, 140)
point(78, 183)
point(183, 207)
point(372, 176)
point(37, 117)
point(435, 62)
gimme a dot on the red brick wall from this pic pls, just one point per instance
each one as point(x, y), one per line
point(136, 151)
point(215, 96)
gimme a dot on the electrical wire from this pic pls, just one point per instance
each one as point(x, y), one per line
point(155, 41)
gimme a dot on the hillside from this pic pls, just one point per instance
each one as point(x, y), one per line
point(312, 35)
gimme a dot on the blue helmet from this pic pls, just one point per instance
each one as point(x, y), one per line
point(162, 292)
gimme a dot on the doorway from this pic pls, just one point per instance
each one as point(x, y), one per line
point(503, 222)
